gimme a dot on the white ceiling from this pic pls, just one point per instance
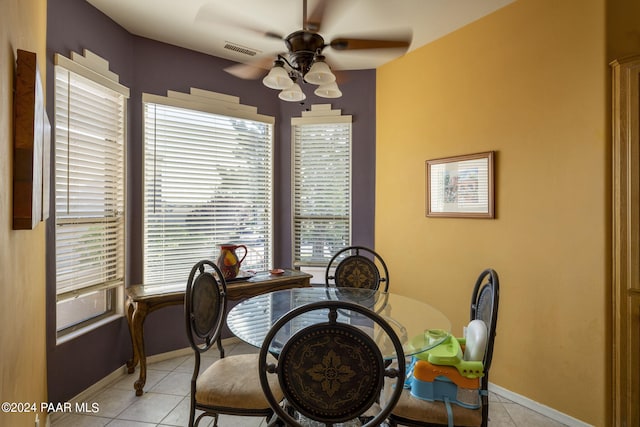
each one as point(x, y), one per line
point(207, 25)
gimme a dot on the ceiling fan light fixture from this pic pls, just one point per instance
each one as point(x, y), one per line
point(329, 90)
point(319, 73)
point(278, 78)
point(292, 94)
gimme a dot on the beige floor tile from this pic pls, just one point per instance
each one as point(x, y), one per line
point(524, 417)
point(500, 398)
point(177, 383)
point(179, 416)
point(494, 397)
point(168, 364)
point(112, 401)
point(186, 365)
point(498, 415)
point(77, 420)
point(150, 407)
point(125, 423)
point(235, 421)
point(126, 382)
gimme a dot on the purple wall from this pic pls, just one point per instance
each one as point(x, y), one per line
point(148, 66)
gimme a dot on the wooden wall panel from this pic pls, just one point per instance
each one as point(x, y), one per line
point(29, 136)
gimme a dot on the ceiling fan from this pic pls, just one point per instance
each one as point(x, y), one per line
point(304, 59)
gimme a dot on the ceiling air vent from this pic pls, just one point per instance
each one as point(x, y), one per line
point(240, 49)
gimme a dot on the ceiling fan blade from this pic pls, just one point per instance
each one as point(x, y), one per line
point(245, 71)
point(313, 22)
point(344, 43)
point(208, 13)
point(251, 71)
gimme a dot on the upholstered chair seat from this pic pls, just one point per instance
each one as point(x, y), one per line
point(241, 391)
point(424, 412)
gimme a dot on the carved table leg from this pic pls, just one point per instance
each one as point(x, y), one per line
point(133, 362)
point(137, 333)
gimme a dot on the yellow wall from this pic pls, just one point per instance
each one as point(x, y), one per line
point(529, 81)
point(22, 253)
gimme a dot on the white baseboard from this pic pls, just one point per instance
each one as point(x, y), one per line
point(537, 407)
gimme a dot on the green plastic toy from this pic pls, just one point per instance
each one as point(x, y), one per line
point(449, 353)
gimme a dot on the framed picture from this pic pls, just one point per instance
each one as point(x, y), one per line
point(461, 186)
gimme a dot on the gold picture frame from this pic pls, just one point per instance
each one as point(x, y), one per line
point(461, 186)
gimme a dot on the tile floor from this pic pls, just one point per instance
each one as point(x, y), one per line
point(166, 401)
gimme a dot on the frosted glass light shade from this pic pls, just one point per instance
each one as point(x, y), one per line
point(292, 94)
point(329, 90)
point(278, 78)
point(319, 74)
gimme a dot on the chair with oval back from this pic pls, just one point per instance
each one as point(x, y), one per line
point(412, 411)
point(230, 385)
point(355, 267)
point(330, 371)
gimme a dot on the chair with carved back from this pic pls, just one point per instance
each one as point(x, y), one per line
point(413, 411)
point(330, 370)
point(230, 385)
point(355, 267)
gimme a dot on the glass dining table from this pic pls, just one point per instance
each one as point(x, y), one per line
point(419, 325)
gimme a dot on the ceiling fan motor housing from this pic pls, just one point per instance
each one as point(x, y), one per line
point(303, 47)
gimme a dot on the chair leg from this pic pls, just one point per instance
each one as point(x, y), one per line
point(201, 416)
point(274, 421)
point(220, 348)
point(192, 413)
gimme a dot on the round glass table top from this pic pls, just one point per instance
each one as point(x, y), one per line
point(418, 325)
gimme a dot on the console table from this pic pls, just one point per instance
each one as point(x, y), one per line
point(144, 299)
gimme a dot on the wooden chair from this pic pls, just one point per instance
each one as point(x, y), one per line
point(331, 371)
point(355, 267)
point(231, 384)
point(412, 411)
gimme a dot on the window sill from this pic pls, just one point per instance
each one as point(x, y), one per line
point(75, 334)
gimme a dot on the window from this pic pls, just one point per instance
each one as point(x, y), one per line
point(90, 108)
point(207, 181)
point(321, 185)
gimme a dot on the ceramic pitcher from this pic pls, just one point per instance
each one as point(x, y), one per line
point(228, 260)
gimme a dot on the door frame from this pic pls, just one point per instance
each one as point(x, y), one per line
point(626, 242)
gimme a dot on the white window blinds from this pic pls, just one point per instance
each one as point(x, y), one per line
point(89, 187)
point(321, 185)
point(207, 181)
